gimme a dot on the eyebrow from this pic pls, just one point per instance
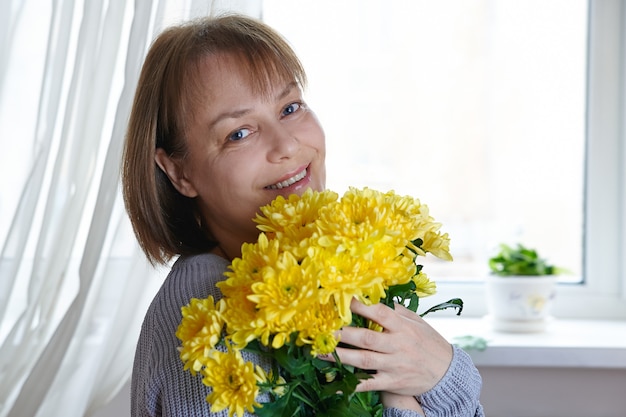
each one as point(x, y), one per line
point(234, 114)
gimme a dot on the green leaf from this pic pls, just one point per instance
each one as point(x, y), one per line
point(414, 302)
point(469, 342)
point(296, 360)
point(256, 347)
point(280, 406)
point(402, 294)
point(453, 303)
point(417, 242)
point(520, 260)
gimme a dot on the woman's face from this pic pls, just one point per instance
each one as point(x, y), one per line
point(245, 149)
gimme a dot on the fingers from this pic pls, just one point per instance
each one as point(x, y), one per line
point(408, 358)
point(364, 338)
point(405, 312)
point(370, 349)
point(379, 313)
point(367, 349)
point(362, 359)
point(378, 382)
point(381, 379)
point(399, 379)
point(373, 341)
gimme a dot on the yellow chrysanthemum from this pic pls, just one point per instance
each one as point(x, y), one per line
point(393, 268)
point(317, 327)
point(254, 258)
point(438, 244)
point(344, 277)
point(241, 314)
point(423, 285)
point(409, 212)
point(241, 318)
point(285, 291)
point(293, 219)
point(288, 290)
point(315, 253)
point(279, 384)
point(357, 220)
point(233, 382)
point(199, 331)
point(278, 333)
point(416, 216)
point(324, 343)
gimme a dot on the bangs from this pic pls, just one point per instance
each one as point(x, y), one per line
point(267, 70)
point(263, 55)
point(262, 71)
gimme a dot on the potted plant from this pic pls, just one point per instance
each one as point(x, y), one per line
point(520, 289)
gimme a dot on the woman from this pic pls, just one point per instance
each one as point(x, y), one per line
point(218, 129)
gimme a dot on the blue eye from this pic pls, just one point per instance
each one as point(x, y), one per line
point(292, 108)
point(239, 134)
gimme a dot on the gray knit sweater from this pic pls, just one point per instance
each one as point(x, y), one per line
point(160, 387)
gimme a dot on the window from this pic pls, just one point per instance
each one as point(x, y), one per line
point(506, 118)
point(501, 116)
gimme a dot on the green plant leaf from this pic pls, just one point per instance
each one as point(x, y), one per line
point(518, 261)
point(283, 406)
point(456, 303)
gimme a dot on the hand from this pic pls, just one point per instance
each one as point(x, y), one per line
point(409, 357)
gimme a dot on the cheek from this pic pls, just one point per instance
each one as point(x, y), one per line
point(315, 135)
point(239, 173)
point(318, 142)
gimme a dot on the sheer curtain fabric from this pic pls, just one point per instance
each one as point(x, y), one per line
point(74, 286)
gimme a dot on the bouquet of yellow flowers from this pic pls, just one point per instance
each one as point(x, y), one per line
point(290, 292)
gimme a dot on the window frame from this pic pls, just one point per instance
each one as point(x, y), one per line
point(602, 293)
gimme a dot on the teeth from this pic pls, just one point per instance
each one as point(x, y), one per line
point(288, 181)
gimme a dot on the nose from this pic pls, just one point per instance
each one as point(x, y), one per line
point(282, 143)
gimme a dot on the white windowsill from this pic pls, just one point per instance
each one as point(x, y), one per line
point(566, 343)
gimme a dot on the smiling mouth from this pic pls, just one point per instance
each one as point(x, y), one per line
point(288, 181)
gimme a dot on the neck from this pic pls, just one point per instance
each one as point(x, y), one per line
point(219, 251)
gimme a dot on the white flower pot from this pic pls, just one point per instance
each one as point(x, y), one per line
point(520, 303)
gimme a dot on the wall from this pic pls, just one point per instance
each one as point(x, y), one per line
point(553, 392)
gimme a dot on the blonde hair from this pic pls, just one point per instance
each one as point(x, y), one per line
point(165, 222)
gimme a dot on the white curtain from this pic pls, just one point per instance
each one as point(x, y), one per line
point(74, 286)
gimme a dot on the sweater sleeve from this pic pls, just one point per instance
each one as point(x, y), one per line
point(458, 392)
point(456, 395)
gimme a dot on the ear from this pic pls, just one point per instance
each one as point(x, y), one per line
point(172, 168)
